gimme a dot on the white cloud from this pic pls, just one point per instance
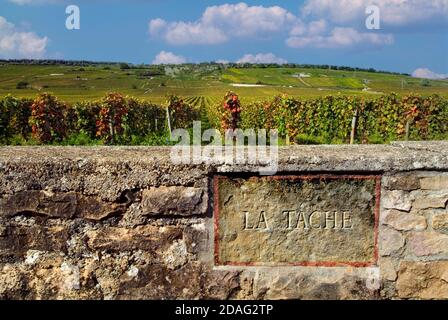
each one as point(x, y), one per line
point(298, 29)
point(244, 20)
point(428, 74)
point(165, 57)
point(262, 58)
point(393, 12)
point(316, 27)
point(18, 44)
point(156, 26)
point(340, 38)
point(218, 24)
point(221, 61)
point(180, 33)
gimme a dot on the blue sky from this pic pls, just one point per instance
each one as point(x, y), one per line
point(412, 36)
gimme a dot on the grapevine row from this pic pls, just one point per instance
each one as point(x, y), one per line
point(116, 119)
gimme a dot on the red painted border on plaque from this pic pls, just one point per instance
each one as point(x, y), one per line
point(355, 264)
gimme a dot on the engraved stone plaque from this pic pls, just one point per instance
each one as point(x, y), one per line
point(316, 220)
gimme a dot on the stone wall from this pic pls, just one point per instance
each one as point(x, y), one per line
point(124, 223)
point(414, 235)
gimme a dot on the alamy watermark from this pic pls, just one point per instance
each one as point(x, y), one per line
point(236, 147)
point(373, 280)
point(373, 20)
point(73, 21)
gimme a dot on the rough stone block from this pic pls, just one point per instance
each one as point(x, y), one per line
point(430, 201)
point(157, 281)
point(321, 285)
point(403, 221)
point(388, 269)
point(423, 280)
point(439, 182)
point(67, 205)
point(396, 199)
point(429, 243)
point(18, 239)
point(11, 283)
point(183, 201)
point(406, 182)
point(440, 222)
point(391, 241)
point(149, 238)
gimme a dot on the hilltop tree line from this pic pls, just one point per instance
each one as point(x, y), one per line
point(124, 65)
point(51, 62)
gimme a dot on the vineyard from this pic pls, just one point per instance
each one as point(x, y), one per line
point(80, 82)
point(121, 120)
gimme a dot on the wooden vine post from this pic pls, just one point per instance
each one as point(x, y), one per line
point(354, 125)
point(408, 125)
point(168, 117)
point(112, 125)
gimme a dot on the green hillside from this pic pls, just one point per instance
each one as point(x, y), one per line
point(153, 83)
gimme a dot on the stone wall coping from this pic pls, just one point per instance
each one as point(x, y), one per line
point(398, 156)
